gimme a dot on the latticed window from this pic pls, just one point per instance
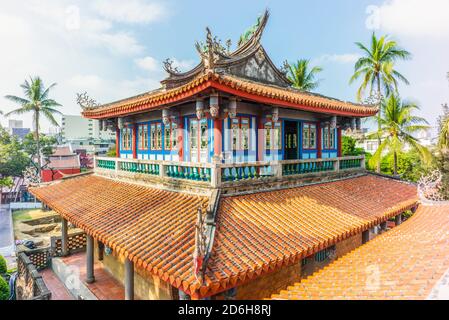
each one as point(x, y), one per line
point(240, 133)
point(273, 135)
point(309, 136)
point(156, 136)
point(328, 138)
point(126, 138)
point(143, 137)
point(170, 136)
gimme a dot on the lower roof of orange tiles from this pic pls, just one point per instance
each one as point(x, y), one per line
point(404, 263)
point(256, 233)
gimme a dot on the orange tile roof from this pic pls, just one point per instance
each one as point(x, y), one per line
point(256, 233)
point(404, 263)
point(254, 91)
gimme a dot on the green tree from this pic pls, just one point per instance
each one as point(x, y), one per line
point(3, 266)
point(410, 166)
point(4, 289)
point(377, 69)
point(46, 144)
point(13, 160)
point(38, 102)
point(397, 124)
point(303, 76)
point(443, 121)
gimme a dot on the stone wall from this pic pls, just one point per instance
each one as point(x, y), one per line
point(146, 287)
point(348, 245)
point(29, 283)
point(269, 284)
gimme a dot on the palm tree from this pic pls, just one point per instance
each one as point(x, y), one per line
point(443, 121)
point(302, 76)
point(377, 69)
point(397, 126)
point(36, 101)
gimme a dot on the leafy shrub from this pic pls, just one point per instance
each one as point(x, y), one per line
point(3, 266)
point(4, 289)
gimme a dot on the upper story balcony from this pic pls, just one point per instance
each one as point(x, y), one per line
point(229, 177)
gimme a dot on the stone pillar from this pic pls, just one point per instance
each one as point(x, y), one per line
point(117, 143)
point(134, 143)
point(398, 219)
point(90, 259)
point(319, 144)
point(64, 238)
point(365, 236)
point(218, 134)
point(339, 138)
point(129, 280)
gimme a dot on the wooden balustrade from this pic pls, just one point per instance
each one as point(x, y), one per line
point(229, 173)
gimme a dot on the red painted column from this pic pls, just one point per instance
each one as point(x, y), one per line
point(180, 139)
point(218, 134)
point(339, 142)
point(260, 139)
point(117, 143)
point(319, 141)
point(134, 145)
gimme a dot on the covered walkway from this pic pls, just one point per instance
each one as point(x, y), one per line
point(408, 262)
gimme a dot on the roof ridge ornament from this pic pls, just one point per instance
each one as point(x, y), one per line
point(169, 68)
point(255, 32)
point(212, 50)
point(85, 102)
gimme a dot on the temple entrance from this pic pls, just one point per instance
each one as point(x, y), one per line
point(291, 140)
point(198, 140)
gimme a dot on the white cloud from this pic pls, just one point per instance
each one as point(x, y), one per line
point(148, 64)
point(183, 65)
point(88, 82)
point(120, 43)
point(71, 47)
point(130, 11)
point(413, 18)
point(339, 58)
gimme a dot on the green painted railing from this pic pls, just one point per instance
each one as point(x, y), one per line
point(350, 163)
point(188, 173)
point(106, 164)
point(144, 168)
point(308, 167)
point(239, 173)
point(216, 174)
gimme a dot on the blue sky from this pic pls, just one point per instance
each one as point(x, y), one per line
point(114, 49)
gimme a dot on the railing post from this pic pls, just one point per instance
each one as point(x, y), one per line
point(117, 169)
point(216, 176)
point(162, 172)
point(363, 163)
point(278, 169)
point(337, 165)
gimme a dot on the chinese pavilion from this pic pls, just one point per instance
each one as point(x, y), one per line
point(227, 183)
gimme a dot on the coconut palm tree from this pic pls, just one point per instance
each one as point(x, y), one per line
point(443, 123)
point(36, 101)
point(303, 76)
point(397, 126)
point(376, 67)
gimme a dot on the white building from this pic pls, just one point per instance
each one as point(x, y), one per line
point(77, 127)
point(85, 134)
